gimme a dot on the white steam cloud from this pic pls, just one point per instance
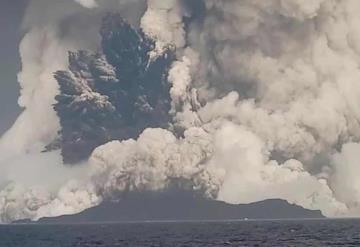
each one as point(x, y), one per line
point(266, 91)
point(87, 3)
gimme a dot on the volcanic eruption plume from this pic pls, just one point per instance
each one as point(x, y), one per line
point(243, 100)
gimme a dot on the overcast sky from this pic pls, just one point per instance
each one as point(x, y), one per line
point(11, 12)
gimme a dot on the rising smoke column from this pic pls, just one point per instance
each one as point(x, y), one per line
point(264, 100)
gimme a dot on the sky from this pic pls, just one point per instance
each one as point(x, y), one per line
point(11, 13)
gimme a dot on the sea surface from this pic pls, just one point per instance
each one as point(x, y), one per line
point(235, 233)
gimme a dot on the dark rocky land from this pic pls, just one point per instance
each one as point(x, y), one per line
point(182, 206)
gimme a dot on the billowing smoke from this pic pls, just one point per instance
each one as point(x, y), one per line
point(261, 102)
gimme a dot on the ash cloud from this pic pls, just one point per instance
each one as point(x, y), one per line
point(114, 95)
point(261, 102)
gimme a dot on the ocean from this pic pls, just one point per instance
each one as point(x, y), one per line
point(185, 234)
